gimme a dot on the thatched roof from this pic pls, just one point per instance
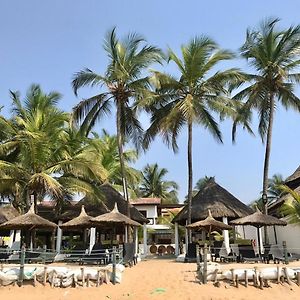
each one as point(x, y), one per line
point(113, 197)
point(28, 221)
point(293, 181)
point(219, 201)
point(114, 217)
point(83, 220)
point(92, 207)
point(7, 213)
point(95, 208)
point(209, 224)
point(258, 219)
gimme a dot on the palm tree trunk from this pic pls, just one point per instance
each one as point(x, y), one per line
point(190, 175)
point(121, 156)
point(267, 162)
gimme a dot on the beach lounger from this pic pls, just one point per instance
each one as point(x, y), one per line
point(247, 254)
point(225, 256)
point(215, 250)
point(277, 254)
point(129, 258)
point(98, 255)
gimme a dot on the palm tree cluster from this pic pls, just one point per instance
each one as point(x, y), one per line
point(47, 152)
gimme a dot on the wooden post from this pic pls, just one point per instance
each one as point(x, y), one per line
point(53, 278)
point(74, 281)
point(298, 278)
point(98, 278)
point(88, 280)
point(45, 276)
point(246, 278)
point(287, 276)
point(254, 281)
point(22, 261)
point(114, 265)
point(286, 261)
point(278, 274)
point(205, 264)
point(237, 280)
point(216, 275)
point(82, 276)
point(261, 282)
point(232, 276)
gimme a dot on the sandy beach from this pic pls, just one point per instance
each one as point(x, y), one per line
point(154, 279)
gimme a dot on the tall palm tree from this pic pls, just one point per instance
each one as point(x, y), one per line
point(123, 83)
point(190, 99)
point(153, 184)
point(274, 54)
point(38, 157)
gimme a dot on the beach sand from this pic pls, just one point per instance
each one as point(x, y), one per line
point(155, 279)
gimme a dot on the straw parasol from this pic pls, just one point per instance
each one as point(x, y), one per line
point(209, 224)
point(114, 217)
point(258, 219)
point(28, 221)
point(82, 221)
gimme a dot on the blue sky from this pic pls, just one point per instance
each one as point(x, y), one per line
point(46, 42)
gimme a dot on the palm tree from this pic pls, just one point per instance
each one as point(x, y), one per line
point(274, 54)
point(200, 184)
point(153, 184)
point(107, 147)
point(123, 83)
point(190, 99)
point(274, 187)
point(39, 156)
point(291, 206)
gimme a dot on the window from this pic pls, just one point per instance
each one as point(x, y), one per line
point(143, 212)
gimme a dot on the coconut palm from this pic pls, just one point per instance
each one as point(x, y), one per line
point(274, 187)
point(291, 206)
point(200, 184)
point(38, 157)
point(153, 184)
point(123, 83)
point(107, 147)
point(192, 98)
point(274, 54)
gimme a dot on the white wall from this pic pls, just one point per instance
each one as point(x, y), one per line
point(290, 234)
point(151, 210)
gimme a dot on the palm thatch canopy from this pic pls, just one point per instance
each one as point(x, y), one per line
point(258, 219)
point(114, 217)
point(219, 201)
point(93, 207)
point(82, 221)
point(7, 213)
point(28, 221)
point(113, 197)
point(209, 224)
point(96, 207)
point(293, 181)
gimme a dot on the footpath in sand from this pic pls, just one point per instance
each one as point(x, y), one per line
point(154, 279)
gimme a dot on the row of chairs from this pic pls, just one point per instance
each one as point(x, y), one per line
point(246, 253)
point(99, 254)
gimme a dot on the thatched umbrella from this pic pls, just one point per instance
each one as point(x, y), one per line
point(209, 224)
point(29, 222)
point(82, 221)
point(114, 217)
point(219, 201)
point(258, 219)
